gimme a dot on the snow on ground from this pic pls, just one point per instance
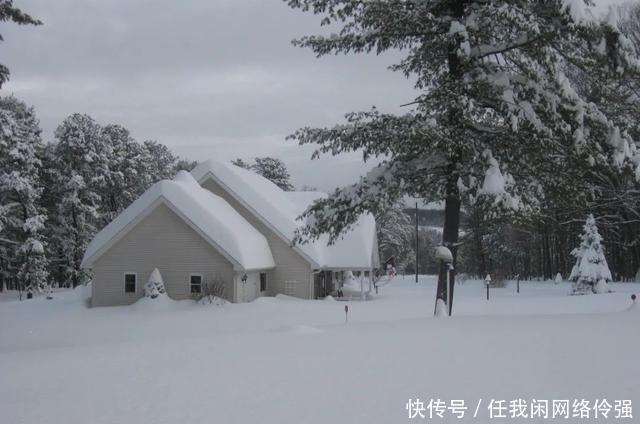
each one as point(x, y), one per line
point(283, 360)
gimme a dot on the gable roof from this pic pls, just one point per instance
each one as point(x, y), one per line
point(209, 215)
point(279, 210)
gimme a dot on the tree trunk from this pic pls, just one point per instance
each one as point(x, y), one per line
point(452, 201)
point(450, 240)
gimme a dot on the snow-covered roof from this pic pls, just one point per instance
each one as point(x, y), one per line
point(210, 215)
point(279, 210)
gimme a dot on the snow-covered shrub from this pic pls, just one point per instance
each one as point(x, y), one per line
point(558, 278)
point(155, 286)
point(591, 273)
point(212, 293)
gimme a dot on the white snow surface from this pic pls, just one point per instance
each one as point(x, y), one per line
point(284, 360)
point(280, 210)
point(212, 216)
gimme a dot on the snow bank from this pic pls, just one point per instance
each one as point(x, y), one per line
point(65, 364)
point(212, 217)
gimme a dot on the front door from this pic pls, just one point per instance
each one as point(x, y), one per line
point(248, 291)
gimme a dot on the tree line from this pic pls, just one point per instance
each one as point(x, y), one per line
point(54, 196)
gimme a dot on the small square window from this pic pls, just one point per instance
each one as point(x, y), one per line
point(130, 283)
point(195, 280)
point(263, 281)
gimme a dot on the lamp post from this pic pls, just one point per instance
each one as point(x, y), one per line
point(445, 257)
point(487, 282)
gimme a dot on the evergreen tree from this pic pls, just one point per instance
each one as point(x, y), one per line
point(157, 163)
point(274, 170)
point(8, 12)
point(591, 272)
point(22, 253)
point(122, 181)
point(80, 175)
point(184, 165)
point(270, 168)
point(493, 96)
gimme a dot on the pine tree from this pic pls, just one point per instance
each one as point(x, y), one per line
point(79, 176)
point(22, 253)
point(492, 95)
point(184, 165)
point(123, 180)
point(157, 163)
point(591, 272)
point(270, 168)
point(8, 12)
point(274, 170)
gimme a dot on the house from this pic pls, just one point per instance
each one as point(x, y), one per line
point(226, 225)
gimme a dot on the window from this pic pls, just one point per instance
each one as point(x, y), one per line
point(130, 283)
point(195, 281)
point(263, 281)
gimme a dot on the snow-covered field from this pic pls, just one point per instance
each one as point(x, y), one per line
point(282, 360)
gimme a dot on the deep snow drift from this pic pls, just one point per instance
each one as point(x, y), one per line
point(283, 360)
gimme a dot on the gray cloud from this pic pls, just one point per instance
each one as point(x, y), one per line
point(208, 78)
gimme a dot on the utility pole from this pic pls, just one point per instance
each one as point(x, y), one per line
point(417, 242)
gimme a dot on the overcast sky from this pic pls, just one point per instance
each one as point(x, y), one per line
point(209, 78)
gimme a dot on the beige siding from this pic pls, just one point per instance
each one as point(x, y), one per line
point(292, 274)
point(163, 240)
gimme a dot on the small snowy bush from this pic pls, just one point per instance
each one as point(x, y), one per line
point(155, 286)
point(213, 293)
point(558, 278)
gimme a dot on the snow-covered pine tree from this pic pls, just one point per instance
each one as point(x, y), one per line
point(22, 252)
point(184, 165)
point(492, 94)
point(591, 273)
point(79, 177)
point(8, 12)
point(157, 163)
point(274, 170)
point(122, 181)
